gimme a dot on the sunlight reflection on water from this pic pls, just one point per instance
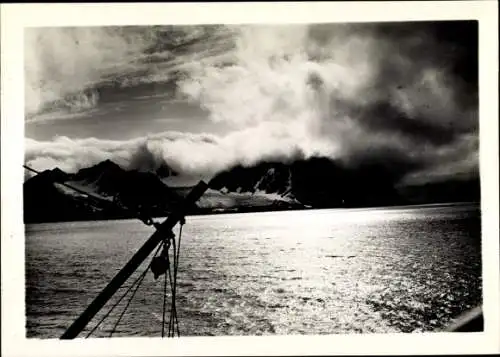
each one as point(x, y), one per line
point(301, 272)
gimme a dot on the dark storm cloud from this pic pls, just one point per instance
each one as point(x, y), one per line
point(418, 92)
point(385, 118)
point(402, 93)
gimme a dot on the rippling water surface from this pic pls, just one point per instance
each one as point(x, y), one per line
point(401, 269)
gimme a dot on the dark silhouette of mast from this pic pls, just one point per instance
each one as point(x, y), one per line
point(162, 231)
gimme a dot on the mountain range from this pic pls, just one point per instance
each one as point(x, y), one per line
point(107, 191)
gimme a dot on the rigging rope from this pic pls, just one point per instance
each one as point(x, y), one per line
point(148, 221)
point(164, 304)
point(139, 278)
point(176, 265)
point(173, 310)
point(173, 321)
point(126, 306)
point(172, 278)
point(178, 251)
point(173, 325)
point(164, 244)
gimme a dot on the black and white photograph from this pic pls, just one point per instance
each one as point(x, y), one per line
point(260, 179)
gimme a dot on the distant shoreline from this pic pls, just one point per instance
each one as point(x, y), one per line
point(241, 210)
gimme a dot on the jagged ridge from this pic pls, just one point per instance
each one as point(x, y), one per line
point(315, 183)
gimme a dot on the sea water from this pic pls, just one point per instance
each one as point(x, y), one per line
point(398, 269)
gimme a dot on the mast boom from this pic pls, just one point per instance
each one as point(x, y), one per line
point(107, 293)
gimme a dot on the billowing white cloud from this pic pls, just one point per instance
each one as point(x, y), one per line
point(185, 153)
point(201, 156)
point(349, 92)
point(285, 74)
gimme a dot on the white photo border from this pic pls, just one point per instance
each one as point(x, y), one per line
point(15, 17)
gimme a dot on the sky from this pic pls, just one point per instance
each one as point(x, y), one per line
point(204, 98)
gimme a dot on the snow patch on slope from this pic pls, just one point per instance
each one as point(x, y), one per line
point(220, 199)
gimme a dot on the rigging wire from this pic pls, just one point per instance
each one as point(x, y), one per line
point(140, 277)
point(126, 306)
point(172, 307)
point(164, 306)
point(148, 221)
point(173, 325)
point(173, 321)
point(176, 265)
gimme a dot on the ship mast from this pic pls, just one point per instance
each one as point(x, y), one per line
point(162, 231)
